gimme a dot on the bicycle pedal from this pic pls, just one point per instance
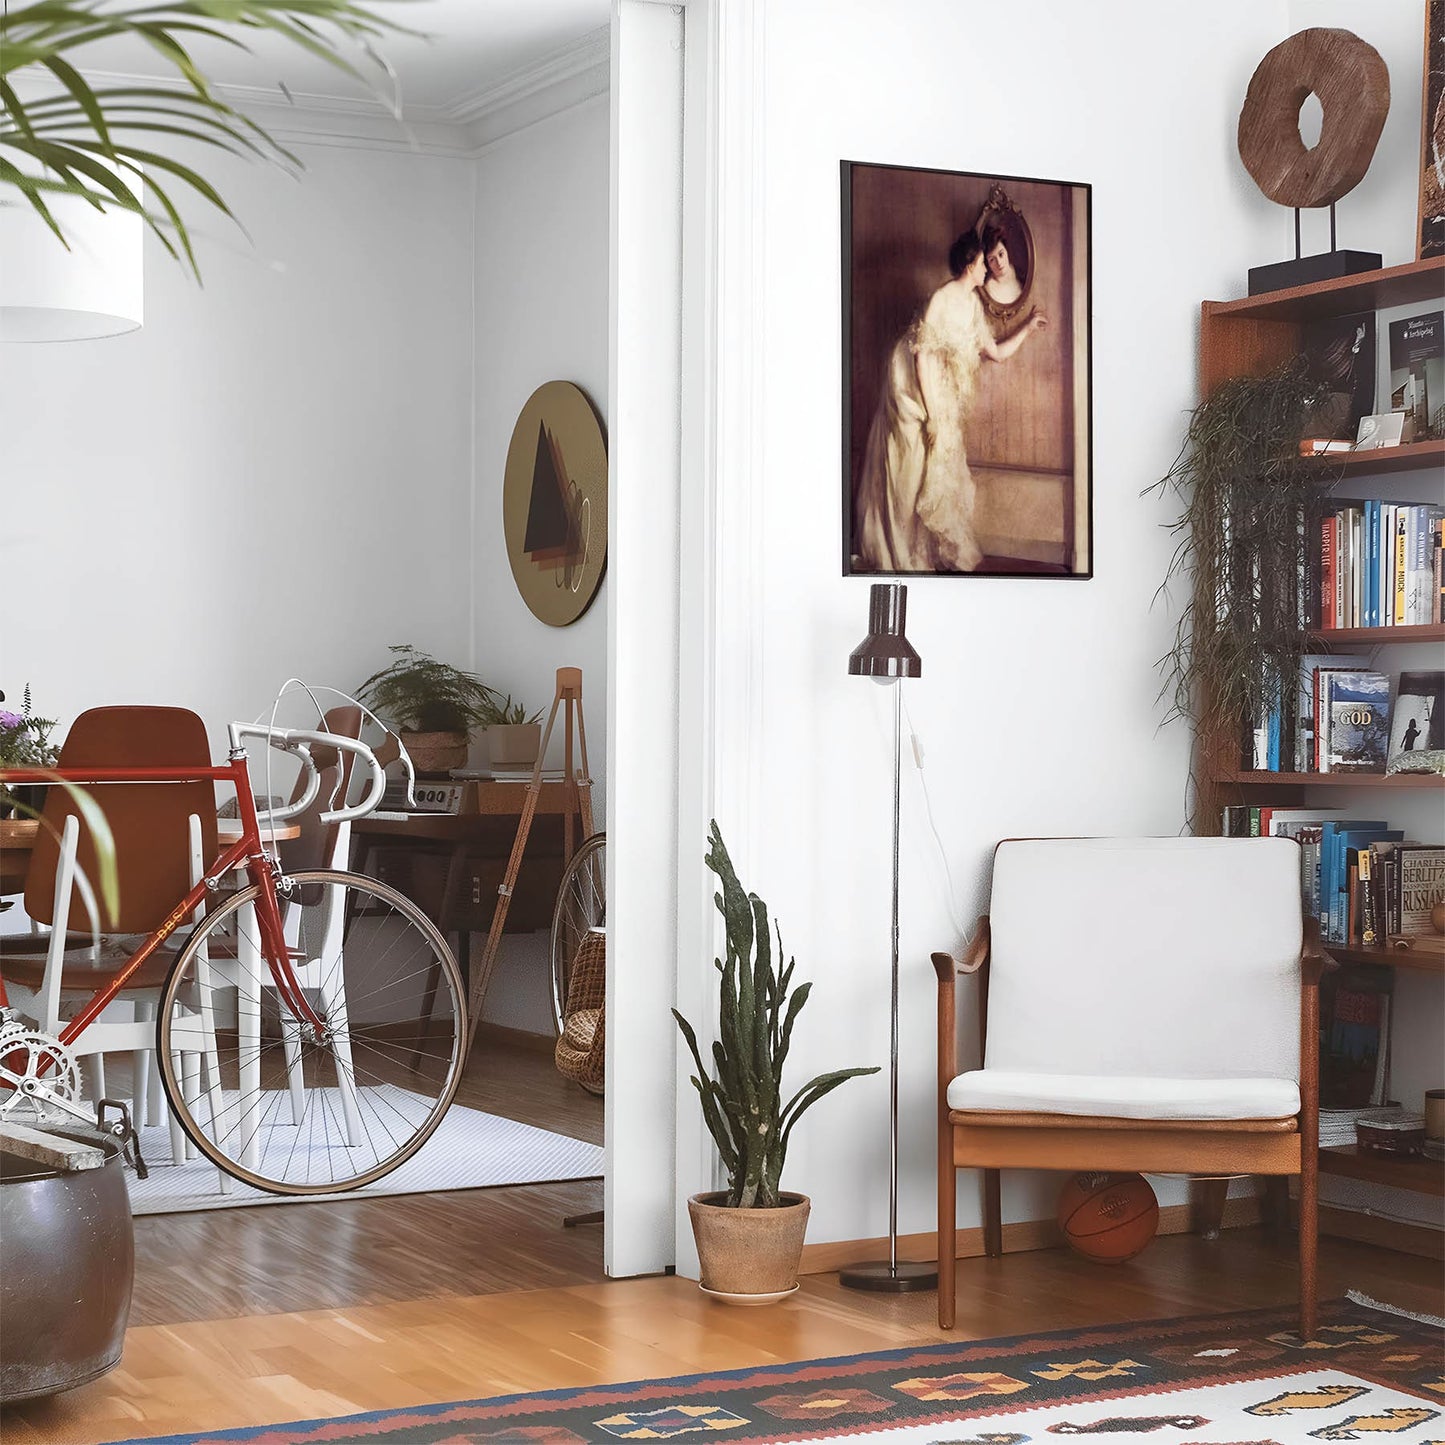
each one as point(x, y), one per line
point(125, 1131)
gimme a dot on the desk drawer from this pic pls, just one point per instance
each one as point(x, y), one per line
point(456, 887)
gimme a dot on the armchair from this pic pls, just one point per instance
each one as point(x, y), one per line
point(1144, 1004)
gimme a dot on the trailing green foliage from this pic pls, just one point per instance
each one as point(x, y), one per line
point(94, 142)
point(742, 1104)
point(1242, 537)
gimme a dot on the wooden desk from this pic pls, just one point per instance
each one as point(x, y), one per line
point(451, 864)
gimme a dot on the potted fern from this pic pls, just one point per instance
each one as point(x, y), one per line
point(434, 704)
point(750, 1236)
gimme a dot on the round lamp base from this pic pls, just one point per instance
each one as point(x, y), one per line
point(883, 1278)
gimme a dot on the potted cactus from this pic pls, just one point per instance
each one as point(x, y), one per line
point(750, 1236)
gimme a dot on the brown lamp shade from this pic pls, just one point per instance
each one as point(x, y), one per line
point(886, 653)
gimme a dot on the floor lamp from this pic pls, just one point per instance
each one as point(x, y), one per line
point(886, 656)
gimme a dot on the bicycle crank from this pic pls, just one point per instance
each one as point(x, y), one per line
point(37, 1073)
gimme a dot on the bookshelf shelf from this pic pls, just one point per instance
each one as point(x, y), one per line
point(1378, 636)
point(1331, 780)
point(1424, 1176)
point(1365, 291)
point(1411, 456)
point(1421, 962)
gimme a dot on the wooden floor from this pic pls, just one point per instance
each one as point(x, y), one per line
point(247, 1317)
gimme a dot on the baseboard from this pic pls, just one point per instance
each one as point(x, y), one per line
point(1022, 1235)
point(1387, 1233)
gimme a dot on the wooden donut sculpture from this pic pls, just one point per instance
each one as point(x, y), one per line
point(1353, 86)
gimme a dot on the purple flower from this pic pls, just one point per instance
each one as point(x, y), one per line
point(11, 719)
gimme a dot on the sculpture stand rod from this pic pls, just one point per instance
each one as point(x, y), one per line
point(891, 1276)
point(1332, 227)
point(1296, 234)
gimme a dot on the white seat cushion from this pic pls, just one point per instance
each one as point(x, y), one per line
point(1117, 1097)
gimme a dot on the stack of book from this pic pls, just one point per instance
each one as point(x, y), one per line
point(1378, 565)
point(1337, 1126)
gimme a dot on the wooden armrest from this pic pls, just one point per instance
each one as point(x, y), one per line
point(1313, 961)
point(974, 958)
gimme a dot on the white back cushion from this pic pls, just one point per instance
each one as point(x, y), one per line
point(1167, 957)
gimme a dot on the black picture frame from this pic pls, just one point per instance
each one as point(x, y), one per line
point(996, 477)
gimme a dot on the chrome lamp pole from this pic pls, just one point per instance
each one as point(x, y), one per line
point(886, 656)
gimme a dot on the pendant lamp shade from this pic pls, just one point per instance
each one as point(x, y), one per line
point(49, 293)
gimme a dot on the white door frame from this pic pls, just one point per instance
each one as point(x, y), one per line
point(683, 623)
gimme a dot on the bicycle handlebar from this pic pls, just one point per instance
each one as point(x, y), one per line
point(299, 742)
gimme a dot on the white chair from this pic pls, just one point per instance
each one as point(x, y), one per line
point(1144, 1004)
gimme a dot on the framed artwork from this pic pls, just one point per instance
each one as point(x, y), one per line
point(554, 503)
point(966, 374)
point(1432, 134)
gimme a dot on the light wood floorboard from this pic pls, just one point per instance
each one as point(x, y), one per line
point(225, 1373)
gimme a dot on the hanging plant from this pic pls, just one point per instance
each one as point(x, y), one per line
point(1243, 539)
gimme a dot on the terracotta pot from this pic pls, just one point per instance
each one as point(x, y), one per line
point(513, 745)
point(749, 1252)
point(434, 755)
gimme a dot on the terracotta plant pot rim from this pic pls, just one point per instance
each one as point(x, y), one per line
point(717, 1199)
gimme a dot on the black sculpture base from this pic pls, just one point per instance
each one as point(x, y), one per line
point(1306, 270)
point(902, 1278)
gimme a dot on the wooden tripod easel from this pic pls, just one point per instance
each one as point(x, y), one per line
point(578, 784)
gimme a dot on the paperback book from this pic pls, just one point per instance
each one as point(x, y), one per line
point(1340, 352)
point(1355, 714)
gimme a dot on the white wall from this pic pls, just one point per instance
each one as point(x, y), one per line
point(303, 420)
point(541, 315)
point(1037, 707)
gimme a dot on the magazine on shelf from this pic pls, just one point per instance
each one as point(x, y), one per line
point(1417, 721)
point(1355, 1038)
point(1417, 370)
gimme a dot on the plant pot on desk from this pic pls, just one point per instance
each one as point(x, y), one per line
point(513, 745)
point(434, 755)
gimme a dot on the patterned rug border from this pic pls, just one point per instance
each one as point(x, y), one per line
point(961, 1352)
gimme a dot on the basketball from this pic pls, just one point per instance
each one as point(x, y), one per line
point(1108, 1217)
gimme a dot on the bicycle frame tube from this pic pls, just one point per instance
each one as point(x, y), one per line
point(247, 849)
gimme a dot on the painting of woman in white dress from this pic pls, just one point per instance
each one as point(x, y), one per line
point(967, 406)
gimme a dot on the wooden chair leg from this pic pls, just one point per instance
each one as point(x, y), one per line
point(1206, 1200)
point(1308, 1242)
point(947, 1217)
point(992, 1214)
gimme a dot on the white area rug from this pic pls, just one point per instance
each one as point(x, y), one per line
point(470, 1150)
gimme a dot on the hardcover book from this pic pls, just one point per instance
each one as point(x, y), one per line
point(1418, 719)
point(1357, 711)
point(1417, 370)
point(1421, 884)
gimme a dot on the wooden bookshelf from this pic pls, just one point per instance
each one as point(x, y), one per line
point(1400, 1171)
point(1253, 336)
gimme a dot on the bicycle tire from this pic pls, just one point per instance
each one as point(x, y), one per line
point(359, 1106)
point(581, 904)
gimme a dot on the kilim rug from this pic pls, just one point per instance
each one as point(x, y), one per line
point(1236, 1379)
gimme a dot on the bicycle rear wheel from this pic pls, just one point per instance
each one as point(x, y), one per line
point(581, 905)
point(276, 1103)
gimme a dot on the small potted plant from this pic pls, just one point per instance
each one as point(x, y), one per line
point(513, 738)
point(24, 743)
point(434, 704)
point(750, 1236)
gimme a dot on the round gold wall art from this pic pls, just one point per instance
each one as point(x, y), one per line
point(554, 503)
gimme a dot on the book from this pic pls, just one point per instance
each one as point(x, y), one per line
point(1355, 1038)
point(1340, 354)
point(1356, 713)
point(1420, 885)
point(1417, 720)
point(1305, 760)
point(1420, 587)
point(1417, 369)
point(1323, 446)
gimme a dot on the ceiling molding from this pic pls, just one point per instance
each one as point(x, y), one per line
point(579, 60)
point(566, 78)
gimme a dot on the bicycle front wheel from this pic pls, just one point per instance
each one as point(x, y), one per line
point(273, 1100)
